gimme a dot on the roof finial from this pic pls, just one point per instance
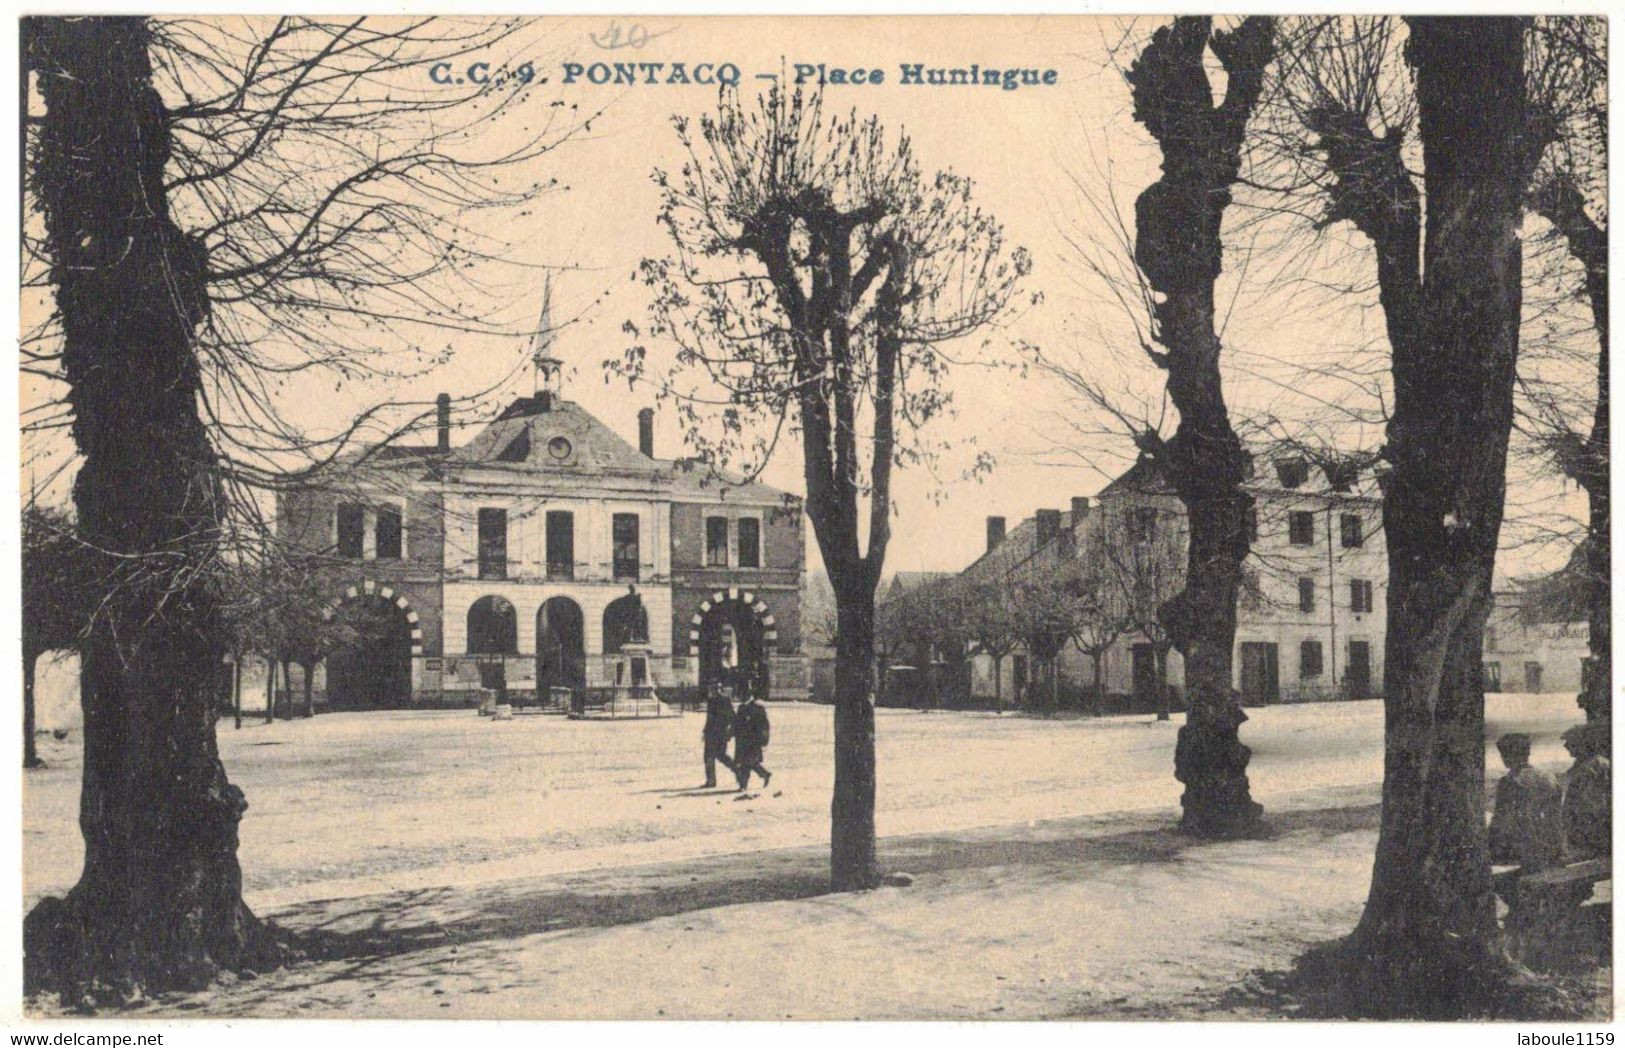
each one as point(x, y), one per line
point(548, 367)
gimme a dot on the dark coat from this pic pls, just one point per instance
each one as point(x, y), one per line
point(719, 718)
point(1526, 829)
point(750, 729)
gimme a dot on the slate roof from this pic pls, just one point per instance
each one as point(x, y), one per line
point(520, 437)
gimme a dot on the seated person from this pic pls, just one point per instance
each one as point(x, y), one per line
point(1526, 829)
point(1587, 794)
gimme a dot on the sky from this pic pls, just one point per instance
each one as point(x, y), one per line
point(1053, 163)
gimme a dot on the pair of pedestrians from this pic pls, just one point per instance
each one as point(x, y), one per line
point(748, 727)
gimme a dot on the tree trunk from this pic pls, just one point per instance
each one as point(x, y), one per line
point(998, 685)
point(237, 691)
point(270, 689)
point(1177, 246)
point(1427, 945)
point(287, 687)
point(1100, 685)
point(1161, 651)
point(158, 904)
point(310, 702)
point(30, 750)
point(853, 863)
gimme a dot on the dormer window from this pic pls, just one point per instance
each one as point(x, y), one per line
point(518, 449)
point(1293, 472)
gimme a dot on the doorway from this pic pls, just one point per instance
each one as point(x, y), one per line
point(372, 667)
point(1357, 674)
point(1145, 677)
point(1260, 673)
point(561, 646)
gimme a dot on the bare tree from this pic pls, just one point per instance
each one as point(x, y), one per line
point(1142, 571)
point(1450, 277)
point(218, 205)
point(990, 624)
point(818, 272)
point(1178, 249)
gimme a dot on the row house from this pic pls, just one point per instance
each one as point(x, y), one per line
point(525, 561)
point(1310, 617)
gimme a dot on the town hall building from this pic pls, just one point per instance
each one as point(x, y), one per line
point(524, 561)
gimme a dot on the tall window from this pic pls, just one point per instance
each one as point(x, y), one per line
point(352, 519)
point(1360, 595)
point(493, 543)
point(625, 536)
point(1306, 594)
point(750, 542)
point(1309, 664)
point(387, 534)
point(561, 544)
point(1353, 535)
point(1302, 527)
point(716, 542)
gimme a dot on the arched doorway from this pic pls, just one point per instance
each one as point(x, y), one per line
point(561, 645)
point(626, 621)
point(370, 666)
point(493, 634)
point(733, 648)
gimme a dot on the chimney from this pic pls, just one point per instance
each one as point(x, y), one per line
point(442, 418)
point(1080, 509)
point(995, 532)
point(646, 432)
point(1048, 522)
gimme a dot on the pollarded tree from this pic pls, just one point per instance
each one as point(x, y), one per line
point(990, 625)
point(211, 208)
point(1450, 276)
point(817, 273)
point(1177, 248)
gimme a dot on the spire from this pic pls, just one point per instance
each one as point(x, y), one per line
point(547, 365)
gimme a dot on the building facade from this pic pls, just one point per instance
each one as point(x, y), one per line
point(1527, 649)
point(525, 560)
point(1311, 615)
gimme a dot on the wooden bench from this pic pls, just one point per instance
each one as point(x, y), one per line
point(1542, 907)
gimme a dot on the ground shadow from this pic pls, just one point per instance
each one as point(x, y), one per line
point(385, 925)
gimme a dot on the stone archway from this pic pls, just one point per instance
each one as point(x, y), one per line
point(561, 645)
point(373, 668)
point(731, 637)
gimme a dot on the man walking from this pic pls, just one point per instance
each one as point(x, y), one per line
point(719, 723)
point(750, 739)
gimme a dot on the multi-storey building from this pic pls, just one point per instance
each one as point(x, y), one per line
point(527, 558)
point(1310, 619)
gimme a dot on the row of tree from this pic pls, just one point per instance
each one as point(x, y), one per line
point(196, 197)
point(277, 607)
point(1089, 588)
